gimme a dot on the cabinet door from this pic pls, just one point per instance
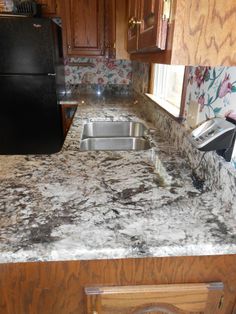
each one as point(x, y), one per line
point(83, 24)
point(110, 28)
point(133, 12)
point(153, 27)
point(169, 299)
point(50, 7)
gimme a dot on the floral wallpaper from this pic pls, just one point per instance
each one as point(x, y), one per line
point(98, 70)
point(214, 90)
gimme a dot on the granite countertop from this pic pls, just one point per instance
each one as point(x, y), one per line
point(92, 205)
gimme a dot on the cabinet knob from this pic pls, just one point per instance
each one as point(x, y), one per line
point(133, 21)
point(69, 46)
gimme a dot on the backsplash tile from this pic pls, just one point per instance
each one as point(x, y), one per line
point(97, 71)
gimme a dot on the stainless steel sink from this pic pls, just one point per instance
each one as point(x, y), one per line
point(114, 143)
point(114, 135)
point(113, 129)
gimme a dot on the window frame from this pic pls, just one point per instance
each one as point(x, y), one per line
point(181, 117)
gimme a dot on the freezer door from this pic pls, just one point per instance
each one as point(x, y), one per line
point(30, 118)
point(26, 45)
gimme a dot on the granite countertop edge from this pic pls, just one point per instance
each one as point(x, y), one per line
point(105, 254)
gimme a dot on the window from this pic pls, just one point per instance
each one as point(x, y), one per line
point(167, 87)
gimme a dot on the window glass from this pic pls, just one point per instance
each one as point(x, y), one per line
point(167, 87)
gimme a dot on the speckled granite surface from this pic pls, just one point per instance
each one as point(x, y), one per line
point(216, 173)
point(93, 205)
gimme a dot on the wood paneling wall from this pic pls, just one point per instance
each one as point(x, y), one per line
point(205, 32)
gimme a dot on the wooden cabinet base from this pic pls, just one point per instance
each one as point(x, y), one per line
point(88, 27)
point(59, 287)
point(194, 298)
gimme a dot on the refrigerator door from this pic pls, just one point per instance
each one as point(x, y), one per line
point(30, 118)
point(59, 61)
point(26, 45)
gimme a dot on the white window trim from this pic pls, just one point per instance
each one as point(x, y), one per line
point(165, 105)
point(158, 89)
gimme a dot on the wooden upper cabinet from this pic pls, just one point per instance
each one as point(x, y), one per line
point(198, 33)
point(110, 28)
point(202, 298)
point(88, 27)
point(133, 13)
point(147, 25)
point(50, 8)
point(84, 27)
point(153, 27)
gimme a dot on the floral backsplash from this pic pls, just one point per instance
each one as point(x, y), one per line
point(97, 71)
point(214, 89)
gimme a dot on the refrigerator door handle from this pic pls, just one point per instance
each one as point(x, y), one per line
point(51, 74)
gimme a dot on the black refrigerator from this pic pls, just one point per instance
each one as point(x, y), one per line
point(31, 85)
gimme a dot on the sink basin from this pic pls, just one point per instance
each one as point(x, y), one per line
point(114, 135)
point(114, 143)
point(113, 129)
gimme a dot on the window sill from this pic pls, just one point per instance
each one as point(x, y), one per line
point(171, 109)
